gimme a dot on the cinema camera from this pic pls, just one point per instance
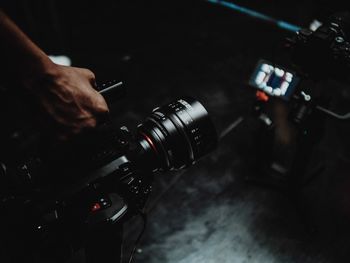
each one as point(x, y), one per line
point(294, 81)
point(103, 178)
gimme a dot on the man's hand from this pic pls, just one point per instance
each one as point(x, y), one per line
point(67, 94)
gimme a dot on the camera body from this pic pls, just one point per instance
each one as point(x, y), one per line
point(310, 58)
point(64, 191)
point(292, 100)
point(61, 200)
point(324, 52)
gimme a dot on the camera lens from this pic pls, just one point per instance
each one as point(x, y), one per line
point(178, 134)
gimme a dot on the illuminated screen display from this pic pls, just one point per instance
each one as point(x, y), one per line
point(274, 80)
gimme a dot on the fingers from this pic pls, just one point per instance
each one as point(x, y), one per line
point(73, 101)
point(99, 104)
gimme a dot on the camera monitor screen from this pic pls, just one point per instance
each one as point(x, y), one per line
point(274, 80)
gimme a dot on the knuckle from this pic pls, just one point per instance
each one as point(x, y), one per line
point(88, 73)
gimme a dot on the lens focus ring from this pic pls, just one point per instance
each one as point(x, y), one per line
point(181, 131)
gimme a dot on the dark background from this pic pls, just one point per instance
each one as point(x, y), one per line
point(166, 49)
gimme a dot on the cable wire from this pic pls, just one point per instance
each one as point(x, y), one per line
point(333, 114)
point(144, 220)
point(230, 128)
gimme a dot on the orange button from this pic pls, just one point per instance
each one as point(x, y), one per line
point(262, 96)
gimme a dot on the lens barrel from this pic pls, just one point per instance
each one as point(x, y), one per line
point(178, 134)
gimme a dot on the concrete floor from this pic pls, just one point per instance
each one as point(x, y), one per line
point(210, 213)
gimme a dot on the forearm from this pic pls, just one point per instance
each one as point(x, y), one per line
point(22, 59)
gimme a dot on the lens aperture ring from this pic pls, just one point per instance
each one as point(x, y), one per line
point(181, 132)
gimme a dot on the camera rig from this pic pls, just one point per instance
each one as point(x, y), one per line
point(313, 57)
point(79, 194)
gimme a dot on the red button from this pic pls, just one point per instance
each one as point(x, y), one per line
point(95, 207)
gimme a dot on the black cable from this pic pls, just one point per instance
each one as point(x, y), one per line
point(345, 116)
point(144, 219)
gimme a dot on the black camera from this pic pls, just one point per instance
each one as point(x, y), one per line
point(292, 100)
point(315, 55)
point(101, 178)
point(312, 57)
point(324, 52)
